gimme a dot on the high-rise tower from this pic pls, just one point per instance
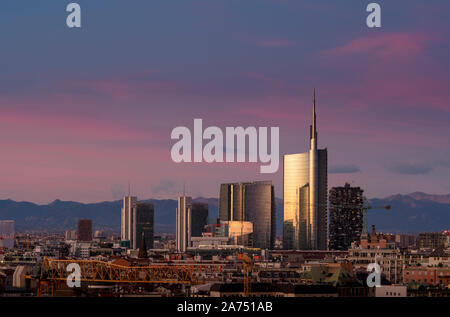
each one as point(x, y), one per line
point(199, 218)
point(84, 232)
point(253, 202)
point(137, 218)
point(346, 216)
point(183, 223)
point(305, 182)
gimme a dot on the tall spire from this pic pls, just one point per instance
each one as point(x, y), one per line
point(142, 254)
point(313, 125)
point(314, 114)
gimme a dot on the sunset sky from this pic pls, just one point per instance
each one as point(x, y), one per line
point(85, 111)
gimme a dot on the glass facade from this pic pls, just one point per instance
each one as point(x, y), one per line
point(145, 213)
point(137, 218)
point(260, 210)
point(231, 206)
point(183, 223)
point(199, 219)
point(322, 208)
point(254, 202)
point(7, 233)
point(305, 224)
point(305, 196)
point(295, 176)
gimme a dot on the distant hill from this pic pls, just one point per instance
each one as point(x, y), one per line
point(413, 213)
point(442, 199)
point(59, 216)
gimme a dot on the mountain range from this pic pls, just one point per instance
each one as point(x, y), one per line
point(412, 213)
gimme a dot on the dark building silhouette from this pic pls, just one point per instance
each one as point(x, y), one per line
point(144, 224)
point(431, 240)
point(84, 232)
point(199, 219)
point(143, 248)
point(346, 216)
point(254, 202)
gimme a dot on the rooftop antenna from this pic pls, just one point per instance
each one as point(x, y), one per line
point(184, 188)
point(129, 189)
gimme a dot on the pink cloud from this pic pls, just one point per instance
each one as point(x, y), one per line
point(384, 45)
point(91, 128)
point(123, 89)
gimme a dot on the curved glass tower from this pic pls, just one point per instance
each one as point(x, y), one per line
point(253, 202)
point(305, 183)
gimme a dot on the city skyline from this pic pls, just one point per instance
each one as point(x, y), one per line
point(79, 125)
point(210, 156)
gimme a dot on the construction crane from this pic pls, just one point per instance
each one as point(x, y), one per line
point(247, 274)
point(54, 273)
point(365, 208)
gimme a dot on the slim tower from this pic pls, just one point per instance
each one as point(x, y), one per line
point(128, 212)
point(305, 182)
point(183, 219)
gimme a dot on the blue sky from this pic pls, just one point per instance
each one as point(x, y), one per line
point(84, 111)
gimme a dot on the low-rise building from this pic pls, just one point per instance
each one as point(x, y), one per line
point(390, 260)
point(428, 276)
point(390, 291)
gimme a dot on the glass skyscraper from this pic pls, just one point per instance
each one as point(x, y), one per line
point(253, 202)
point(183, 223)
point(305, 183)
point(137, 218)
point(128, 211)
point(145, 213)
point(199, 219)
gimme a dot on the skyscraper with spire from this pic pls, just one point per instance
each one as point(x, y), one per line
point(305, 186)
point(137, 219)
